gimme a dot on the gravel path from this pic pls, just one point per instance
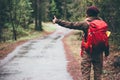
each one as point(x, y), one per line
point(41, 59)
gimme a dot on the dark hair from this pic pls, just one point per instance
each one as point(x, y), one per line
point(92, 11)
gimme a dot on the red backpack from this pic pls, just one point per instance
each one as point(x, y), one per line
point(96, 35)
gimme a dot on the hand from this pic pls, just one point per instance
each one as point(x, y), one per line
point(106, 58)
point(54, 20)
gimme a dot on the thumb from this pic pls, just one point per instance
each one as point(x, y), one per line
point(54, 20)
point(55, 17)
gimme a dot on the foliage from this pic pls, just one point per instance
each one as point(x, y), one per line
point(21, 9)
point(110, 11)
point(53, 10)
point(21, 13)
point(14, 14)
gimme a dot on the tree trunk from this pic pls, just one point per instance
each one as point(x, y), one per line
point(38, 25)
point(12, 19)
point(65, 8)
point(0, 33)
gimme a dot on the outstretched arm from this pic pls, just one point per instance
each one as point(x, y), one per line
point(72, 25)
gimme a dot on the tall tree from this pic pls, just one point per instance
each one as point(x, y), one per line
point(4, 10)
point(2, 6)
point(53, 9)
point(110, 10)
point(38, 12)
point(45, 10)
point(20, 12)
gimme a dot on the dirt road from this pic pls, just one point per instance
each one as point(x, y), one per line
point(41, 59)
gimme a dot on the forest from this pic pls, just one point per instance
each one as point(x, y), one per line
point(26, 18)
point(20, 17)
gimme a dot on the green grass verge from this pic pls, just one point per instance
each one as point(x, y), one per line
point(48, 27)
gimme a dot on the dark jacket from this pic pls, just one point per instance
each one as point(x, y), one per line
point(82, 25)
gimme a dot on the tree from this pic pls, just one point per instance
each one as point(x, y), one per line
point(110, 10)
point(3, 17)
point(14, 14)
point(38, 12)
point(45, 10)
point(53, 10)
point(20, 12)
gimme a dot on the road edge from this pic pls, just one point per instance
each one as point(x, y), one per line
point(73, 66)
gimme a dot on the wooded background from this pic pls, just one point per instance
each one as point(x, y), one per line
point(18, 17)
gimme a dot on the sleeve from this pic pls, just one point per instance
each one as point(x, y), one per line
point(73, 25)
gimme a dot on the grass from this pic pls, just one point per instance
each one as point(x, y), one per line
point(74, 42)
point(48, 27)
